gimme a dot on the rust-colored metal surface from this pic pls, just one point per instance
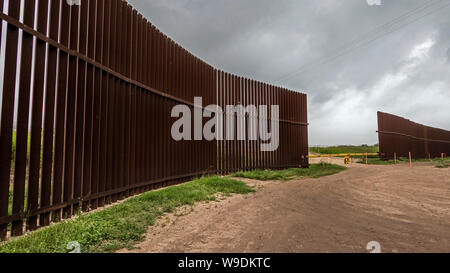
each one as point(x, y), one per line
point(97, 112)
point(399, 136)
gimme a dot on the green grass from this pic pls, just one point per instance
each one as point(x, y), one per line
point(314, 171)
point(442, 164)
point(10, 201)
point(122, 225)
point(13, 150)
point(13, 147)
point(377, 161)
point(344, 149)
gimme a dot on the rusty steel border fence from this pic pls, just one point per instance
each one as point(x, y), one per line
point(398, 137)
point(92, 125)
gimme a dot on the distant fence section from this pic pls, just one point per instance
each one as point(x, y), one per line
point(399, 137)
point(90, 113)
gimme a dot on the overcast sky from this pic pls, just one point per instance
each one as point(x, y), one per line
point(349, 68)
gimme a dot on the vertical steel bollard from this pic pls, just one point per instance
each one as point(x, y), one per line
point(410, 160)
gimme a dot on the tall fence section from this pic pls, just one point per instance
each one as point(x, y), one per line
point(89, 117)
point(398, 137)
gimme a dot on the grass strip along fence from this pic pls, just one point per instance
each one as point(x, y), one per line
point(124, 224)
point(314, 171)
point(437, 162)
point(102, 131)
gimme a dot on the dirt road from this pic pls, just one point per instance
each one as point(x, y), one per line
point(405, 210)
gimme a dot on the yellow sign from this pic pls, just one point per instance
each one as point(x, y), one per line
point(347, 160)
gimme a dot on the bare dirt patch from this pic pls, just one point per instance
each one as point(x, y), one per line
point(405, 210)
